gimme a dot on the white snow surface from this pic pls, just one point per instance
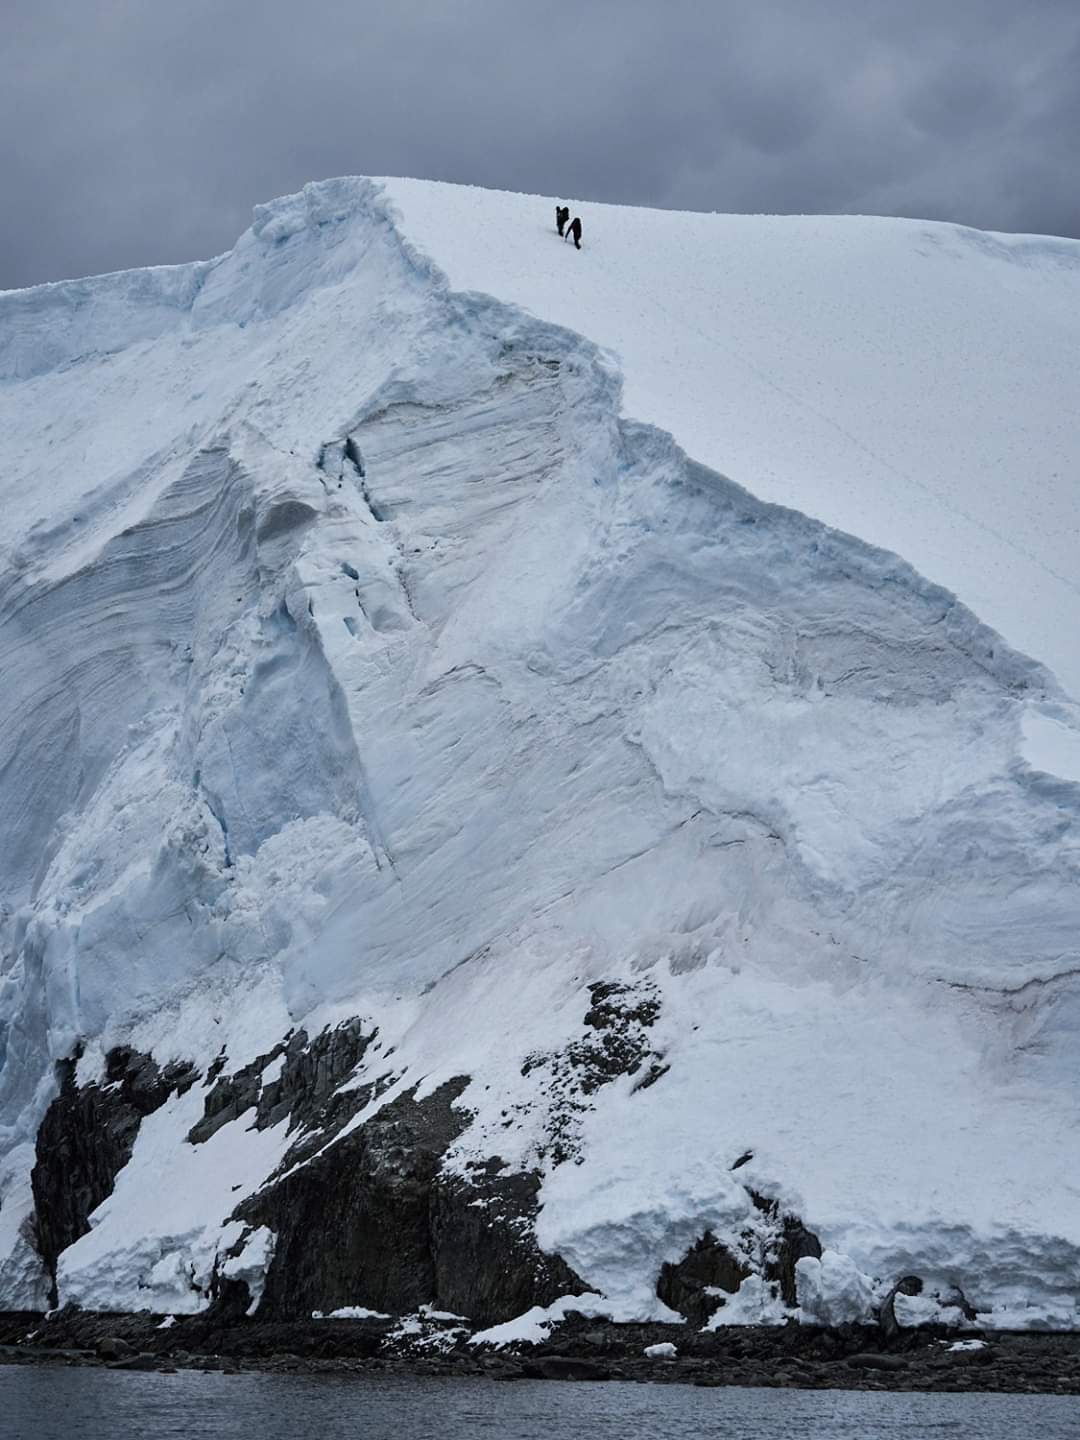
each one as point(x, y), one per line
point(381, 636)
point(832, 1290)
point(912, 383)
point(350, 1312)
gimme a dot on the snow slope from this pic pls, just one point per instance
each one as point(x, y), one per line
point(912, 383)
point(369, 650)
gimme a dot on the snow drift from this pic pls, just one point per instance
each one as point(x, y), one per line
point(370, 655)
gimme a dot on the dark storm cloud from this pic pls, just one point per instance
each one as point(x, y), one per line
point(140, 131)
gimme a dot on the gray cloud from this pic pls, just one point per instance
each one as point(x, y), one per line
point(136, 132)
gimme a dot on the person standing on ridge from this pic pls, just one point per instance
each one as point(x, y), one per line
point(575, 232)
point(562, 215)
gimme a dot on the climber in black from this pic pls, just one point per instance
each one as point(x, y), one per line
point(575, 232)
point(562, 215)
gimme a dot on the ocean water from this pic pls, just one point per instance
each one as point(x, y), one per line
point(54, 1403)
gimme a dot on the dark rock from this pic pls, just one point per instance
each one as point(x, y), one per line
point(145, 1361)
point(353, 1225)
point(595, 1339)
point(564, 1367)
point(614, 1006)
point(796, 1242)
point(312, 1073)
point(487, 1261)
point(870, 1361)
point(706, 1265)
point(372, 1220)
point(229, 1098)
point(306, 1091)
point(230, 1301)
point(86, 1138)
point(780, 1250)
point(906, 1285)
point(216, 1066)
point(114, 1348)
point(206, 1362)
point(774, 1356)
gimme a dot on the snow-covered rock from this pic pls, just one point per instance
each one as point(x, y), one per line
point(535, 1325)
point(409, 729)
point(665, 1350)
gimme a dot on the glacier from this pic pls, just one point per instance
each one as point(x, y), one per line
point(622, 702)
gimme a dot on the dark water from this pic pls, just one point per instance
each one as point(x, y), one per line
point(60, 1404)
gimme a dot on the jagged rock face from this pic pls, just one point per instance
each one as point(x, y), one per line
point(374, 1217)
point(353, 1225)
point(86, 1138)
point(370, 1218)
point(305, 1092)
point(487, 1263)
point(372, 1221)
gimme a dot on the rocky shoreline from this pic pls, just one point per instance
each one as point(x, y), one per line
point(792, 1356)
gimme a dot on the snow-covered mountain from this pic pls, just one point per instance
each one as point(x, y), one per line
point(526, 772)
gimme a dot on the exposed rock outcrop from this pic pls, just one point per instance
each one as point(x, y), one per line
point(689, 1285)
point(306, 1090)
point(368, 1217)
point(374, 1216)
point(86, 1138)
point(806, 1357)
point(353, 1224)
point(616, 1042)
point(487, 1262)
point(373, 1221)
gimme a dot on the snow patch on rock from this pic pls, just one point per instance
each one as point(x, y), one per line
point(536, 1324)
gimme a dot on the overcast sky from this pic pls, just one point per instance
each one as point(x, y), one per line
point(141, 131)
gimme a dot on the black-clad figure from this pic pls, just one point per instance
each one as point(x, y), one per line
point(574, 232)
point(562, 215)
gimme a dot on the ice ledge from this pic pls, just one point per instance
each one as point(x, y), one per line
point(295, 244)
